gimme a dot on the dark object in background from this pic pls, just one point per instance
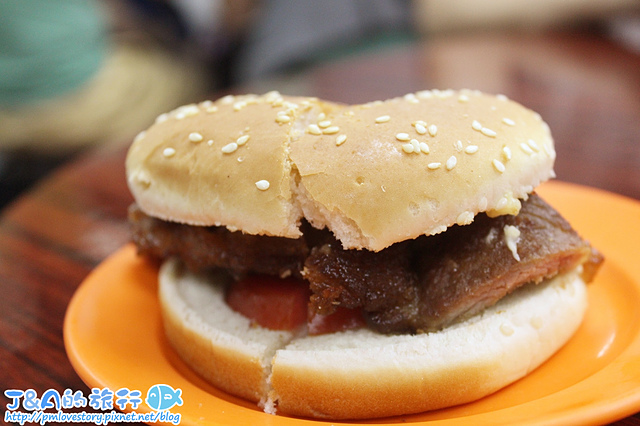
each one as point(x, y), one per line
point(19, 170)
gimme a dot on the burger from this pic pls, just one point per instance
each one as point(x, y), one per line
point(357, 261)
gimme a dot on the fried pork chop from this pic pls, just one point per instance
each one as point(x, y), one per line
point(413, 286)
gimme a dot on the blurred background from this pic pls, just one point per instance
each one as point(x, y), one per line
point(76, 74)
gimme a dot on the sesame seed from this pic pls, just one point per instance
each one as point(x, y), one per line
point(458, 146)
point(169, 152)
point(424, 148)
point(402, 137)
point(242, 140)
point(421, 129)
point(291, 106)
point(341, 139)
point(499, 166)
point(506, 329)
point(187, 111)
point(331, 130)
point(191, 109)
point(262, 185)
point(502, 97)
point(283, 118)
point(211, 109)
point(433, 129)
point(324, 123)
point(162, 118)
point(508, 121)
point(140, 136)
point(451, 162)
point(314, 129)
point(488, 132)
point(230, 147)
point(442, 94)
point(272, 95)
point(537, 323)
point(383, 119)
point(471, 149)
point(434, 166)
point(463, 98)
point(239, 105)
point(526, 148)
point(482, 205)
point(275, 99)
point(465, 218)
point(227, 99)
point(195, 137)
point(476, 125)
point(506, 151)
point(425, 94)
point(322, 116)
point(533, 145)
point(410, 97)
point(210, 142)
point(408, 148)
point(420, 122)
point(143, 179)
point(502, 203)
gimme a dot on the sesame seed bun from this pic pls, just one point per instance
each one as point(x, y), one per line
point(374, 174)
point(329, 376)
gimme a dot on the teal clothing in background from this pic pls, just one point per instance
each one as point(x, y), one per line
point(48, 47)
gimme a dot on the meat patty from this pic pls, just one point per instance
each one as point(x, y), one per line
point(413, 286)
point(450, 276)
point(202, 248)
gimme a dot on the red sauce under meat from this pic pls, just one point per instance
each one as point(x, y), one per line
point(283, 304)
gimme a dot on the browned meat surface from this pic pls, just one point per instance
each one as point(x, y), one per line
point(449, 276)
point(414, 286)
point(205, 247)
point(383, 283)
point(459, 279)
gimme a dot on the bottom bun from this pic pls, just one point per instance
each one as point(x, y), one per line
point(364, 374)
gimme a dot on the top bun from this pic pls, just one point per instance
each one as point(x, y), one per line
point(374, 174)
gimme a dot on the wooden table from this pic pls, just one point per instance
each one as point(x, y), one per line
point(585, 86)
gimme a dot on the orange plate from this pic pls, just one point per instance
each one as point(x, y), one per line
point(113, 336)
